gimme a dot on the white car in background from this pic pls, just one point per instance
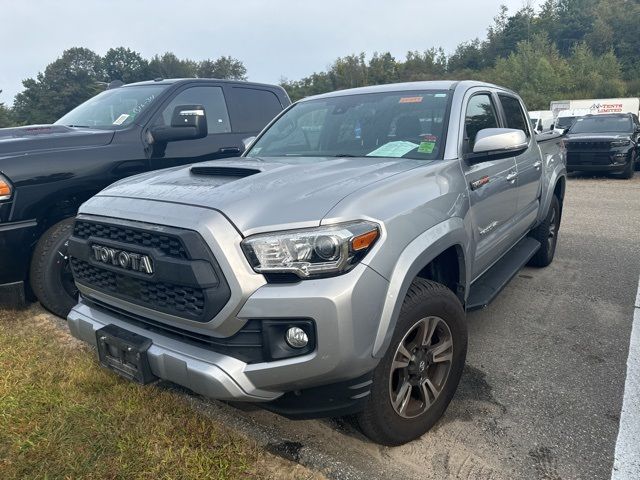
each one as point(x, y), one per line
point(541, 120)
point(566, 118)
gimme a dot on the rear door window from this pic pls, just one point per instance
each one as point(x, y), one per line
point(513, 113)
point(252, 108)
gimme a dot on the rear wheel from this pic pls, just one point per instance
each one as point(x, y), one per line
point(50, 274)
point(418, 376)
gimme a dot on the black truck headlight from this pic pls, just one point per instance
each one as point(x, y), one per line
point(311, 252)
point(5, 188)
point(620, 143)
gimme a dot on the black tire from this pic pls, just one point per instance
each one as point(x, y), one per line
point(547, 234)
point(50, 274)
point(379, 420)
point(629, 170)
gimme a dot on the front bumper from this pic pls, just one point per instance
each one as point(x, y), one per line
point(608, 161)
point(16, 244)
point(345, 310)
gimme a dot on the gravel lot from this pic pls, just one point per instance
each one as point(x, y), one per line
point(542, 390)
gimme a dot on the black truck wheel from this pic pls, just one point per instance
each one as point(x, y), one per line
point(418, 376)
point(547, 234)
point(630, 169)
point(50, 274)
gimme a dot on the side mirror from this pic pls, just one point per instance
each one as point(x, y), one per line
point(188, 122)
point(499, 142)
point(552, 126)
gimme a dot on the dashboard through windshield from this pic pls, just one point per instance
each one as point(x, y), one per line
point(112, 109)
point(390, 124)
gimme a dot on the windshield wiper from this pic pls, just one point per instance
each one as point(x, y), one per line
point(345, 155)
point(78, 126)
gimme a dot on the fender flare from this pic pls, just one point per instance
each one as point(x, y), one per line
point(418, 254)
point(558, 175)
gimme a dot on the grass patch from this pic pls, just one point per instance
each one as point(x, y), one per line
point(62, 416)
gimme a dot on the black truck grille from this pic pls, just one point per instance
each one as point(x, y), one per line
point(186, 280)
point(588, 158)
point(169, 246)
point(165, 297)
point(588, 145)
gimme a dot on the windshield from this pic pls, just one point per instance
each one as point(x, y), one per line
point(391, 124)
point(112, 108)
point(565, 122)
point(602, 125)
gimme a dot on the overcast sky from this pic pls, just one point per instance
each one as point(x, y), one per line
point(274, 38)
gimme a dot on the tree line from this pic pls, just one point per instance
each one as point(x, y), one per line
point(564, 49)
point(80, 74)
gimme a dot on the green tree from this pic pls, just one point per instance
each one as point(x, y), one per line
point(594, 75)
point(170, 66)
point(124, 64)
point(615, 28)
point(428, 65)
point(573, 22)
point(224, 67)
point(382, 69)
point(64, 84)
point(535, 70)
point(6, 116)
point(468, 56)
point(349, 72)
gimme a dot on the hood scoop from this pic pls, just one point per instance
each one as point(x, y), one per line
point(239, 172)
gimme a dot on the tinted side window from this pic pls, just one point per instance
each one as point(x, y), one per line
point(480, 114)
point(252, 109)
point(514, 115)
point(211, 98)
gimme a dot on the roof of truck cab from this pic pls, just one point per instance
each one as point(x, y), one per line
point(171, 81)
point(407, 86)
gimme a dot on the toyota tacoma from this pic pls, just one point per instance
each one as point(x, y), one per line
point(327, 271)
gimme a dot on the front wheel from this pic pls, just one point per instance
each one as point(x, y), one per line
point(629, 170)
point(418, 376)
point(547, 234)
point(50, 274)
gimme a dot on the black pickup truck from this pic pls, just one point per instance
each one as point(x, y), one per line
point(47, 171)
point(604, 143)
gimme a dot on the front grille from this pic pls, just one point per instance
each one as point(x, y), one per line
point(588, 158)
point(170, 298)
point(171, 247)
point(588, 145)
point(186, 281)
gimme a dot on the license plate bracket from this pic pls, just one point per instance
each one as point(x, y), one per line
point(125, 353)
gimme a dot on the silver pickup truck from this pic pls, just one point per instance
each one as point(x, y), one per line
point(327, 271)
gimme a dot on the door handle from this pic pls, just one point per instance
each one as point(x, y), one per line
point(511, 176)
point(537, 165)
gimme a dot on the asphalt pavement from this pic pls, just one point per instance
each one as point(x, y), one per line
point(543, 388)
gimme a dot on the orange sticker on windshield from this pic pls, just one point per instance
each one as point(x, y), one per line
point(410, 100)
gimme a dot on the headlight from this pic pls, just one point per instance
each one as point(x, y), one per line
point(312, 252)
point(620, 143)
point(5, 188)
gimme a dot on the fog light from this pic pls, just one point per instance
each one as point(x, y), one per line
point(296, 337)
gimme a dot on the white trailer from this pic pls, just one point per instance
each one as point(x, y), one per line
point(598, 105)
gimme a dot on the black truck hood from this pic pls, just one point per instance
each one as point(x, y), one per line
point(597, 137)
point(49, 137)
